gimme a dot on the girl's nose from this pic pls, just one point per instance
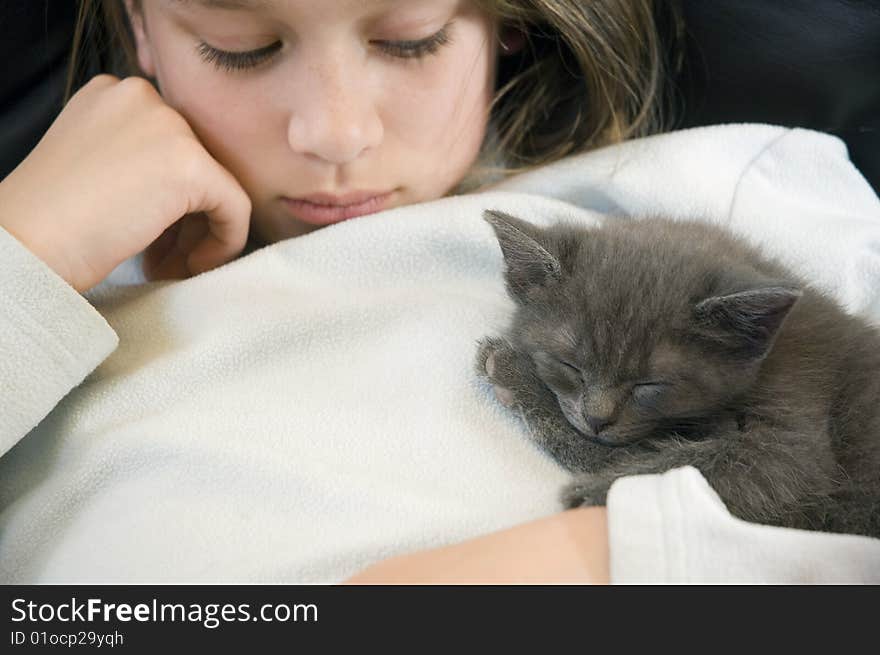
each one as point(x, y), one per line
point(336, 120)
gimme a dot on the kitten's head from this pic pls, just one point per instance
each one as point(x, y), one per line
point(639, 329)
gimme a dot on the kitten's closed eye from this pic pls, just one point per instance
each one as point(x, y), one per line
point(557, 371)
point(649, 394)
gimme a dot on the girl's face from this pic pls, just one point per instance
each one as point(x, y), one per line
point(326, 110)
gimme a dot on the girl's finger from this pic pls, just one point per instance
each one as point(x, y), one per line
point(228, 209)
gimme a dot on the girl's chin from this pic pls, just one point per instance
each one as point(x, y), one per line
point(264, 232)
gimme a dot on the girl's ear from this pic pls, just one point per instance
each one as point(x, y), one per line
point(141, 39)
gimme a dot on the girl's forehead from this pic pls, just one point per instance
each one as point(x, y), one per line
point(403, 13)
point(310, 15)
point(268, 5)
point(227, 4)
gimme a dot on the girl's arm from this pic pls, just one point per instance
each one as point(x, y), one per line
point(566, 548)
point(117, 169)
point(51, 338)
point(113, 173)
point(668, 529)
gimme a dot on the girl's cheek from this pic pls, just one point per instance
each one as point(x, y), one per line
point(196, 91)
point(449, 100)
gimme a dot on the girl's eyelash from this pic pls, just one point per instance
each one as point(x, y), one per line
point(418, 48)
point(237, 61)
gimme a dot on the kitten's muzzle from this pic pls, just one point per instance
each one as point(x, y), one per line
point(597, 423)
point(594, 434)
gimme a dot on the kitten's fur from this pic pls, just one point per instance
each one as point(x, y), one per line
point(640, 346)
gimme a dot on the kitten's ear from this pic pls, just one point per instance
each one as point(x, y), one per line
point(747, 321)
point(529, 264)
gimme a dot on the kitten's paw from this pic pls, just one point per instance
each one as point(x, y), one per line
point(491, 364)
point(587, 491)
point(486, 354)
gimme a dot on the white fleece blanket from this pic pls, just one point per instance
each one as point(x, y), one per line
point(312, 407)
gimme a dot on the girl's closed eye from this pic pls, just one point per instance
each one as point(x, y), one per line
point(236, 61)
point(403, 49)
point(417, 48)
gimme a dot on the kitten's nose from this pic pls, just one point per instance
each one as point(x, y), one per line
point(597, 423)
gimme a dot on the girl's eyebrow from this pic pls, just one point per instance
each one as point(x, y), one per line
point(233, 5)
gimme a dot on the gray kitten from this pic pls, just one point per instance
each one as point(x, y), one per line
point(641, 346)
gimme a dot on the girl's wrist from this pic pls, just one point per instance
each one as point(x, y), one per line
point(33, 244)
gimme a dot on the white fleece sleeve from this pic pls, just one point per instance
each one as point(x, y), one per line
point(51, 338)
point(673, 528)
point(803, 202)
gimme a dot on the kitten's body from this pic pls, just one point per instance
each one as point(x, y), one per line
point(681, 344)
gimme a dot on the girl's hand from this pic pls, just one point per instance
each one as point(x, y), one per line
point(116, 171)
point(566, 548)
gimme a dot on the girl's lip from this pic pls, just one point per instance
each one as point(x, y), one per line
point(325, 209)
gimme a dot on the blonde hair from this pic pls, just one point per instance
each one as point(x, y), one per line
point(590, 73)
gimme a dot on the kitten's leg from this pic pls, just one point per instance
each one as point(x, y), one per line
point(518, 386)
point(587, 490)
point(657, 456)
point(851, 510)
point(762, 474)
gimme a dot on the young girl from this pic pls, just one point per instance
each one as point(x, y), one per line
point(270, 120)
point(295, 117)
